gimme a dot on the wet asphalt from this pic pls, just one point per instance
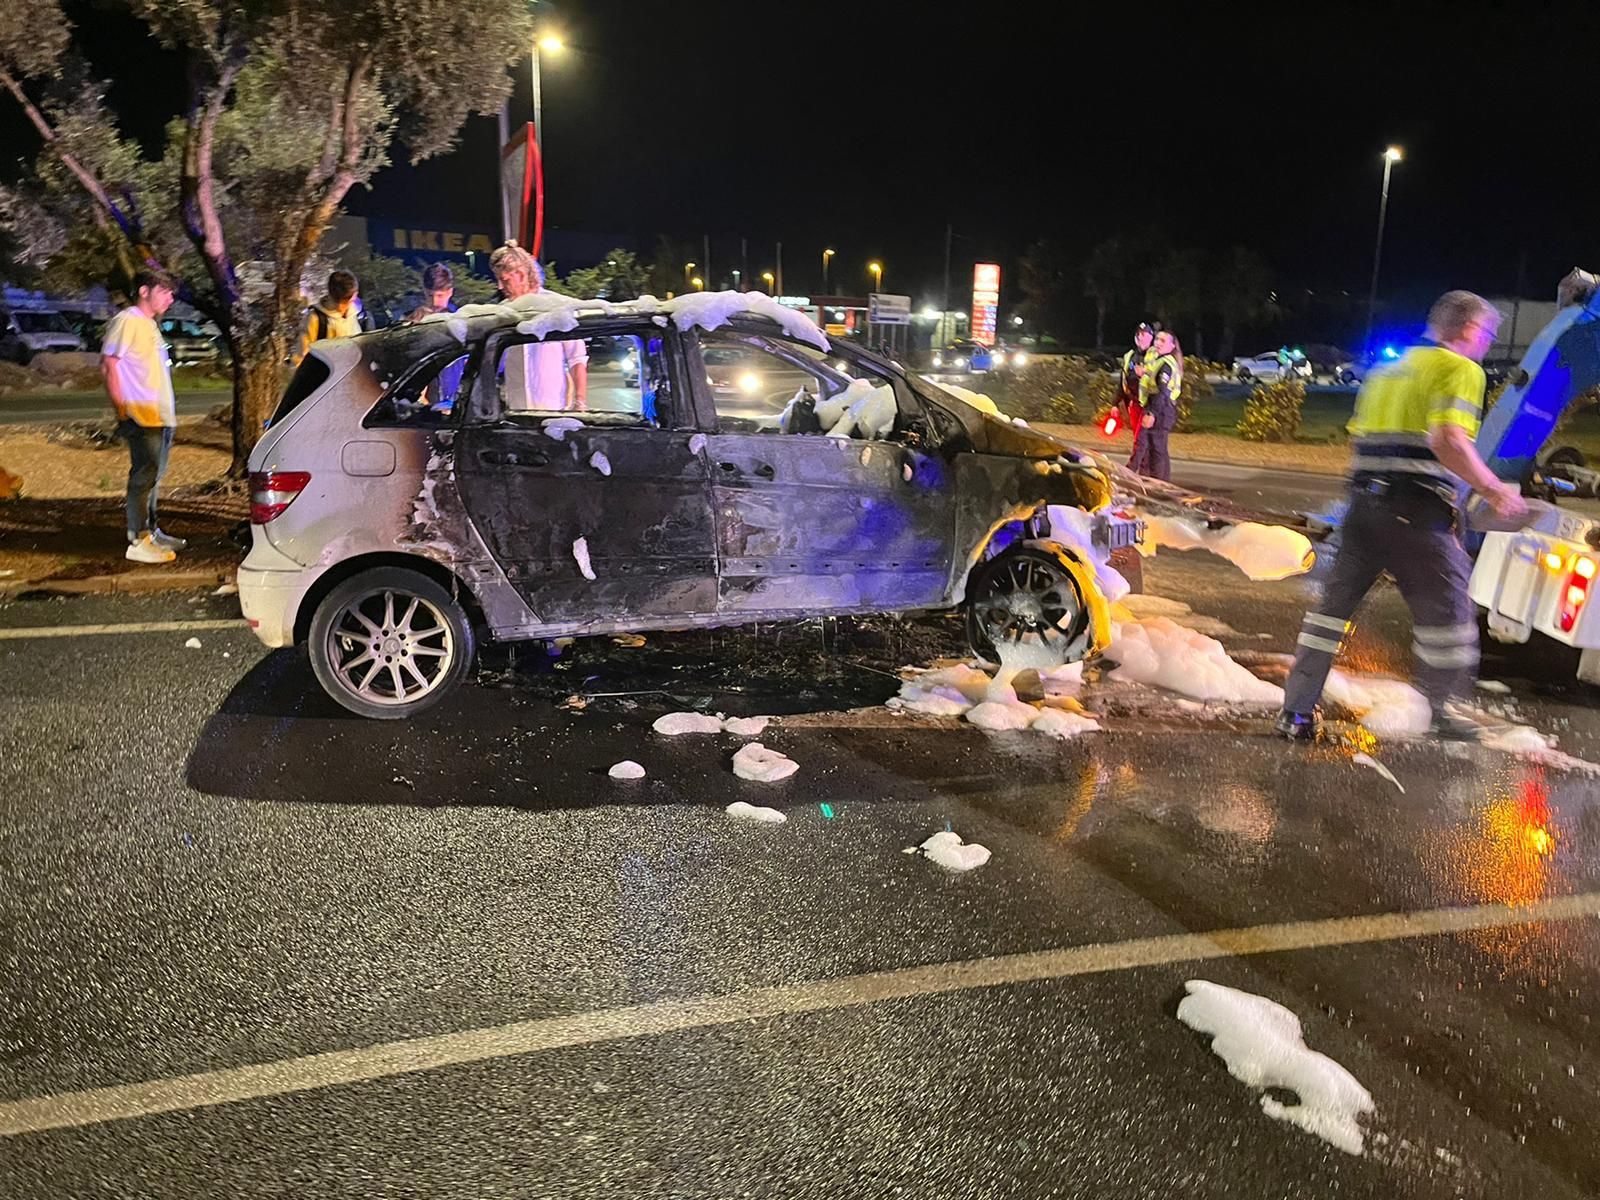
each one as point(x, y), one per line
point(204, 864)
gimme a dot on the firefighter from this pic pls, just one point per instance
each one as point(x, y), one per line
point(1412, 438)
point(1163, 384)
point(1131, 385)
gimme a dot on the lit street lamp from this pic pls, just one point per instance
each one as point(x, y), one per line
point(826, 255)
point(1390, 156)
point(550, 43)
point(877, 275)
point(688, 272)
point(699, 284)
point(770, 279)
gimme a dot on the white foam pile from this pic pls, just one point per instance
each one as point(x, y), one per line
point(755, 762)
point(949, 851)
point(1493, 686)
point(192, 644)
point(697, 443)
point(558, 427)
point(862, 410)
point(673, 724)
point(1366, 760)
point(1003, 713)
point(1263, 552)
point(1525, 742)
point(626, 769)
point(580, 552)
point(1072, 526)
point(1262, 1043)
point(946, 692)
point(1140, 605)
point(991, 703)
point(1161, 653)
point(982, 403)
point(600, 463)
point(1387, 707)
point(1061, 724)
point(676, 723)
point(740, 811)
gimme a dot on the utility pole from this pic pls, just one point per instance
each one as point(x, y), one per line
point(744, 264)
point(705, 246)
point(779, 269)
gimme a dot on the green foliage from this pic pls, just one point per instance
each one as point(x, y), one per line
point(383, 281)
point(1057, 389)
point(1272, 413)
point(618, 276)
point(1197, 389)
point(473, 289)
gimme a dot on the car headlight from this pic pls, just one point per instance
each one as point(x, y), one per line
point(938, 360)
point(749, 383)
point(1019, 360)
point(959, 362)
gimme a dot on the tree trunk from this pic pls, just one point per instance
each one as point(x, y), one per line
point(1099, 324)
point(257, 385)
point(1229, 336)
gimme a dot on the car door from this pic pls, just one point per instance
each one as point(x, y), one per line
point(601, 517)
point(808, 523)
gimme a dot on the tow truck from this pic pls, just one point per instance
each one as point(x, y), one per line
point(1537, 573)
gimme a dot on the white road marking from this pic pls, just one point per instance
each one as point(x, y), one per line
point(208, 1088)
point(54, 631)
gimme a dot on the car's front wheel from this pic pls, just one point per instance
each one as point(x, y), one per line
point(1026, 599)
point(1243, 374)
point(389, 643)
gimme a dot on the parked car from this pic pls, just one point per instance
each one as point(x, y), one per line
point(25, 332)
point(86, 325)
point(1271, 367)
point(972, 357)
point(190, 341)
point(390, 532)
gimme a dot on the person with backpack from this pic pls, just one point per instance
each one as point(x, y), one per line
point(334, 316)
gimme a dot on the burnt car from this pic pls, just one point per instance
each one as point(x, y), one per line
point(425, 487)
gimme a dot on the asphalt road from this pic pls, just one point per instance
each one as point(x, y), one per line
point(217, 885)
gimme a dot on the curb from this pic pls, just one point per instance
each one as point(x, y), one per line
point(125, 583)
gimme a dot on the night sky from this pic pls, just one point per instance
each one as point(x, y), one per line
point(868, 126)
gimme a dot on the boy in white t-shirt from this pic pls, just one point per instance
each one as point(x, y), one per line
point(137, 368)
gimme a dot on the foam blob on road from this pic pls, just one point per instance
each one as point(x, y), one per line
point(580, 552)
point(674, 724)
point(626, 769)
point(1163, 654)
point(192, 644)
point(746, 726)
point(1386, 707)
point(1003, 711)
point(1263, 552)
point(740, 811)
point(947, 849)
point(1061, 724)
point(1262, 1043)
point(760, 765)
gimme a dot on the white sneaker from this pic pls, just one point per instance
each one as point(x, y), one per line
point(167, 542)
point(145, 550)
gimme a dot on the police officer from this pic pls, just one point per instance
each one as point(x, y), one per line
point(1131, 386)
point(1163, 384)
point(1412, 436)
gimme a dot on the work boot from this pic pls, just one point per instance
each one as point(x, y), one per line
point(145, 550)
point(167, 542)
point(1298, 727)
point(1448, 727)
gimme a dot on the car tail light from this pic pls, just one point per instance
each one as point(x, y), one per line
point(273, 491)
point(1576, 594)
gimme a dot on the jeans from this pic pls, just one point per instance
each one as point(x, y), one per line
point(148, 448)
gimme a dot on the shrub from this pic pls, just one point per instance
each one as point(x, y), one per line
point(1197, 389)
point(1272, 413)
point(1057, 389)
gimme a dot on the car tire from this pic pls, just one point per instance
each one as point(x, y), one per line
point(1024, 573)
point(1243, 374)
point(374, 636)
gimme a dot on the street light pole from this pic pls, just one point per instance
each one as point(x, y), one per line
point(1390, 156)
point(826, 255)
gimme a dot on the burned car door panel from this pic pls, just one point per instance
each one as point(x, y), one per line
point(612, 490)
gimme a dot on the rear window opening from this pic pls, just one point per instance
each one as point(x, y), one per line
point(311, 374)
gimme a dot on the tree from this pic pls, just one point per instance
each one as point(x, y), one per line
point(1107, 280)
point(1242, 293)
point(1175, 292)
point(1045, 276)
point(618, 276)
point(289, 106)
point(384, 281)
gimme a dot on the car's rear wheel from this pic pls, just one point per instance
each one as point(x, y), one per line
point(390, 643)
point(1243, 374)
point(1024, 598)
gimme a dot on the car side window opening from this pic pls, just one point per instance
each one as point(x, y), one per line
point(763, 384)
point(611, 379)
point(425, 397)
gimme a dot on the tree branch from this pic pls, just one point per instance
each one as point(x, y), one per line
point(198, 194)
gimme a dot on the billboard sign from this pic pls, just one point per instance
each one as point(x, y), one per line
point(985, 302)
